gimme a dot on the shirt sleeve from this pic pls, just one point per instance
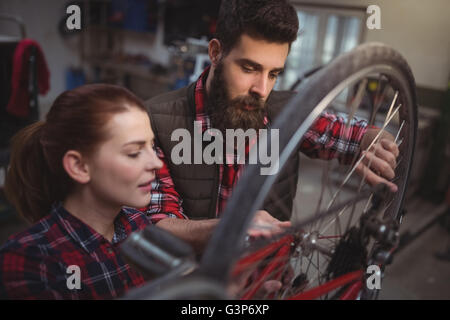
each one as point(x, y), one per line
point(330, 138)
point(165, 202)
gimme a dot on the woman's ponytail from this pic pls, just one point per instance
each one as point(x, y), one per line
point(27, 184)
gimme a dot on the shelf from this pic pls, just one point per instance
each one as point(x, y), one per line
point(150, 36)
point(140, 71)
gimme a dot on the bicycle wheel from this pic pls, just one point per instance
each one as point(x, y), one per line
point(338, 228)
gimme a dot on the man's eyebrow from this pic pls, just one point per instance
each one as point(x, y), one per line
point(257, 66)
point(251, 63)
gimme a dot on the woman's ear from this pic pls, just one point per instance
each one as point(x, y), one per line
point(76, 166)
point(214, 51)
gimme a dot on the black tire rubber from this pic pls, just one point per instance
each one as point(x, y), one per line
point(228, 239)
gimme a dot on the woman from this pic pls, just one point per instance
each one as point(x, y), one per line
point(71, 176)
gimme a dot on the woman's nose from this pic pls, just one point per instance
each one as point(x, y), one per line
point(154, 162)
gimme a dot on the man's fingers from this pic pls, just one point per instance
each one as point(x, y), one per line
point(284, 224)
point(380, 161)
point(257, 234)
point(266, 230)
point(265, 225)
point(385, 154)
point(263, 230)
point(378, 165)
point(373, 179)
point(270, 286)
point(390, 146)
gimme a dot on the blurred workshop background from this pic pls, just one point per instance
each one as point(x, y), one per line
point(153, 46)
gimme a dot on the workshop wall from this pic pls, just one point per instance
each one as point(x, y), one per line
point(41, 23)
point(419, 30)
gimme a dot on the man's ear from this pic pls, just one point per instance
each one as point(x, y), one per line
point(214, 51)
point(76, 166)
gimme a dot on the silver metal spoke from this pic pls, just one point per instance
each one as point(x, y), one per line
point(318, 267)
point(378, 105)
point(332, 221)
point(375, 140)
point(398, 132)
point(392, 106)
point(356, 102)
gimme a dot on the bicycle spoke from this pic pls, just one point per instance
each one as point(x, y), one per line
point(398, 133)
point(329, 188)
point(326, 218)
point(318, 267)
point(286, 212)
point(374, 110)
point(375, 140)
point(356, 103)
point(332, 221)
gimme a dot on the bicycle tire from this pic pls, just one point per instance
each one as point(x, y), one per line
point(248, 195)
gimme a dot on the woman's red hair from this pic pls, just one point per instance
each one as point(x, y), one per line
point(76, 121)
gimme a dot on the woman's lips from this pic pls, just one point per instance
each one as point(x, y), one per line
point(146, 187)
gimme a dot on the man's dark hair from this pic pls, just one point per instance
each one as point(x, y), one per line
point(271, 20)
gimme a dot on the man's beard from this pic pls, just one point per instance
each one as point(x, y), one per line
point(243, 112)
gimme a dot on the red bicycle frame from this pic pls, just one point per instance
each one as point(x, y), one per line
point(281, 252)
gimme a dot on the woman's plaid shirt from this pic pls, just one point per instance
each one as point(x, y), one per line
point(34, 264)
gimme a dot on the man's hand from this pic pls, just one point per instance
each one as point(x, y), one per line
point(380, 160)
point(195, 232)
point(264, 225)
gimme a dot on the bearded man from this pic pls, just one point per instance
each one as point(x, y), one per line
point(252, 42)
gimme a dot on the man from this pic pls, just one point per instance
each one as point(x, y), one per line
point(252, 42)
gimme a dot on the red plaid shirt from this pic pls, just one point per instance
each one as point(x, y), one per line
point(327, 139)
point(34, 263)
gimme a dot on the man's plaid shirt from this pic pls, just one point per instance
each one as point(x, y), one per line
point(34, 263)
point(327, 139)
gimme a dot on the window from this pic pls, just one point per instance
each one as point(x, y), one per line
point(324, 33)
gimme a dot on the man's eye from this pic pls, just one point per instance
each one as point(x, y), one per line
point(273, 75)
point(247, 69)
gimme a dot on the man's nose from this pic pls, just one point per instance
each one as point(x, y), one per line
point(260, 86)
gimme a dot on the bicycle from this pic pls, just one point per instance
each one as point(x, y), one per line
point(344, 226)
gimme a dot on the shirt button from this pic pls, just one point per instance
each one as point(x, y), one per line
point(109, 250)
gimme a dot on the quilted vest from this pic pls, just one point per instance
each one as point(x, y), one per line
point(198, 184)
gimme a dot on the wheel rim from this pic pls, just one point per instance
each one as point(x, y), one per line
point(405, 115)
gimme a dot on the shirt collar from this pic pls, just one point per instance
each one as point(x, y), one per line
point(200, 93)
point(84, 235)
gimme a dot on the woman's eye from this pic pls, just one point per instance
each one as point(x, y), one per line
point(134, 155)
